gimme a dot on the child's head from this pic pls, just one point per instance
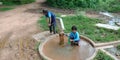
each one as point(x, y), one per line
point(45, 12)
point(74, 29)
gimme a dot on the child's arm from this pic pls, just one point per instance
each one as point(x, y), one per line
point(71, 36)
point(49, 16)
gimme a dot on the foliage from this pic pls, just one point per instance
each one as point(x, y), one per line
point(5, 8)
point(102, 56)
point(16, 2)
point(118, 47)
point(79, 3)
point(42, 23)
point(26, 1)
point(101, 5)
point(114, 6)
point(37, 46)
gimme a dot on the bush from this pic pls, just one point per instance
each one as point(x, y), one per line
point(100, 5)
point(14, 2)
point(114, 6)
point(5, 8)
point(80, 3)
point(118, 47)
point(26, 1)
point(102, 56)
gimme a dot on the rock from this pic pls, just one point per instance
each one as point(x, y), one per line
point(107, 26)
point(1, 3)
point(117, 53)
point(118, 24)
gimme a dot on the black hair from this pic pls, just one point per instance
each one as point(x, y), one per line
point(44, 11)
point(74, 28)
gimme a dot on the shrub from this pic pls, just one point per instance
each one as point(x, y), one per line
point(26, 1)
point(114, 6)
point(102, 56)
point(14, 2)
point(5, 8)
point(80, 3)
point(100, 5)
point(7, 2)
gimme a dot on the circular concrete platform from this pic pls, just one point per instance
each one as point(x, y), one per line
point(52, 51)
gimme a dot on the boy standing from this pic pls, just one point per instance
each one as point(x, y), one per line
point(74, 36)
point(51, 19)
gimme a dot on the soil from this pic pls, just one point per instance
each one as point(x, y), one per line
point(16, 29)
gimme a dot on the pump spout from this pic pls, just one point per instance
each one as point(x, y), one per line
point(61, 29)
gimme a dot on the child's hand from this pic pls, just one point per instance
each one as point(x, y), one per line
point(49, 24)
point(71, 40)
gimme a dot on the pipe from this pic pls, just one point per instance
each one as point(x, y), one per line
point(60, 24)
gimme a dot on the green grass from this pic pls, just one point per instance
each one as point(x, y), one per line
point(42, 23)
point(5, 8)
point(114, 6)
point(86, 26)
point(102, 56)
point(118, 47)
point(16, 2)
point(37, 46)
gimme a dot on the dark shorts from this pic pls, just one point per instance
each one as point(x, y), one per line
point(53, 20)
point(75, 43)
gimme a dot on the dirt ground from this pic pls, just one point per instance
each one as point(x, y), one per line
point(16, 29)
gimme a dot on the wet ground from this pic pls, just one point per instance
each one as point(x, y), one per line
point(56, 52)
point(16, 29)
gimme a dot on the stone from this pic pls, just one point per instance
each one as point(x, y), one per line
point(1, 3)
point(63, 15)
point(117, 53)
point(107, 26)
point(118, 24)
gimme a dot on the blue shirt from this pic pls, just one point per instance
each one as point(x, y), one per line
point(52, 16)
point(75, 36)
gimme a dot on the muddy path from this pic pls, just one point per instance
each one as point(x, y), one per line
point(16, 29)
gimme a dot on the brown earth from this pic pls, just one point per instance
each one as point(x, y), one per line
point(16, 29)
